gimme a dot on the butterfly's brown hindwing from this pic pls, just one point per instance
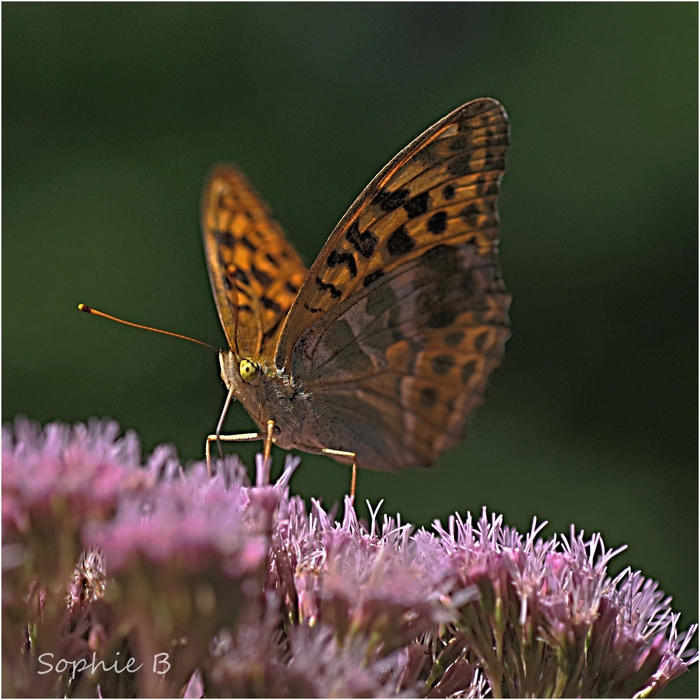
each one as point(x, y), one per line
point(396, 369)
point(254, 272)
point(403, 315)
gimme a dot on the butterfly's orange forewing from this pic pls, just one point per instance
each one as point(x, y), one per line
point(254, 272)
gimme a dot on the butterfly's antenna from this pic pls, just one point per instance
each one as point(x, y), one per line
point(94, 312)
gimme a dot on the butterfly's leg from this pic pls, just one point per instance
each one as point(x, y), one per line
point(349, 455)
point(242, 437)
point(220, 424)
point(268, 440)
point(217, 437)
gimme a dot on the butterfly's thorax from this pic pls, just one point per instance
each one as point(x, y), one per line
point(271, 395)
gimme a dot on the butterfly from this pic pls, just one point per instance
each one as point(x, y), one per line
point(380, 352)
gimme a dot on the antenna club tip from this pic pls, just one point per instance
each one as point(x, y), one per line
point(85, 308)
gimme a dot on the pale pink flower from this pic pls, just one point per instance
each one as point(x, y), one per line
point(250, 592)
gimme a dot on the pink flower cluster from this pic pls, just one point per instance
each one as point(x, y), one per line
point(122, 579)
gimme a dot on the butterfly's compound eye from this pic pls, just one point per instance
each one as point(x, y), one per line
point(248, 370)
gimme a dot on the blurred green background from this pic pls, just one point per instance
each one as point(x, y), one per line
point(114, 113)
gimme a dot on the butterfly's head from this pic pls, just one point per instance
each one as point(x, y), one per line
point(248, 370)
point(258, 388)
point(238, 372)
point(246, 378)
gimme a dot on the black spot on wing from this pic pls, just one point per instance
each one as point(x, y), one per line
point(430, 155)
point(388, 201)
point(364, 243)
point(291, 287)
point(448, 192)
point(248, 244)
point(459, 143)
point(418, 205)
point(470, 214)
point(336, 258)
point(454, 339)
point(428, 397)
point(460, 166)
point(225, 238)
point(442, 364)
point(400, 242)
point(241, 276)
point(371, 277)
point(437, 223)
point(272, 260)
point(331, 288)
point(270, 304)
point(262, 277)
